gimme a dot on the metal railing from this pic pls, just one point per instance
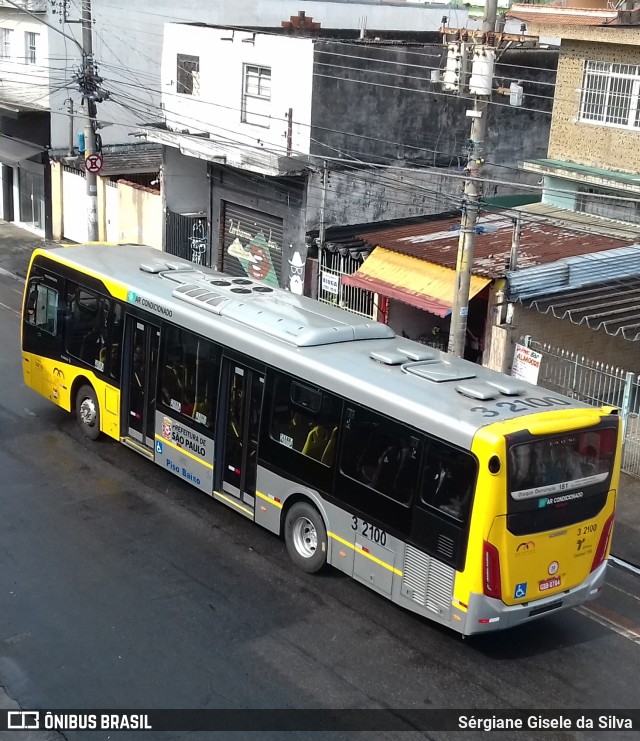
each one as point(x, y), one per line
point(595, 383)
point(331, 289)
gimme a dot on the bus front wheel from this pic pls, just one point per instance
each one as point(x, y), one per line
point(88, 412)
point(306, 537)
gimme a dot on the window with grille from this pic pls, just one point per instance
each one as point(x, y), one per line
point(610, 94)
point(188, 75)
point(30, 47)
point(256, 95)
point(5, 43)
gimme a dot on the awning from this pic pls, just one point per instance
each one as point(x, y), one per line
point(422, 284)
point(612, 307)
point(13, 151)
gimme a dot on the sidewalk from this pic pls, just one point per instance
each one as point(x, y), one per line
point(17, 244)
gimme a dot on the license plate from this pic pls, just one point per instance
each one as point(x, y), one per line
point(549, 583)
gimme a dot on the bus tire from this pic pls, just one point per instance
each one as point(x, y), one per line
point(306, 537)
point(88, 412)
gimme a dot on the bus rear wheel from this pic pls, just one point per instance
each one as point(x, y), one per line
point(88, 412)
point(306, 537)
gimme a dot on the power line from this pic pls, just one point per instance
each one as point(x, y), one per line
point(347, 133)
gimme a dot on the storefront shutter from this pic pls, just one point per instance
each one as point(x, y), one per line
point(252, 244)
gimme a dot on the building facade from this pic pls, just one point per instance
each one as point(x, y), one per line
point(303, 132)
point(590, 184)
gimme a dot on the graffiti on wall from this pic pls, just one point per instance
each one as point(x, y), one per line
point(254, 253)
point(296, 274)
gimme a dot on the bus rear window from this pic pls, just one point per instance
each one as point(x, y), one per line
point(559, 464)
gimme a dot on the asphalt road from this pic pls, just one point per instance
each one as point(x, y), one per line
point(121, 587)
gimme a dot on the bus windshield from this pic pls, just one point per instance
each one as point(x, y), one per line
point(558, 464)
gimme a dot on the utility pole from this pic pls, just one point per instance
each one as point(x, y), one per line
point(89, 103)
point(472, 197)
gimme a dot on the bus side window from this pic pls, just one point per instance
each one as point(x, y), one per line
point(189, 374)
point(381, 454)
point(42, 308)
point(87, 325)
point(93, 348)
point(449, 479)
point(303, 418)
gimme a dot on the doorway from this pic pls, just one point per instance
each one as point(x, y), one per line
point(244, 388)
point(143, 342)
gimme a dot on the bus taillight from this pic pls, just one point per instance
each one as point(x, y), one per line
point(603, 544)
point(491, 565)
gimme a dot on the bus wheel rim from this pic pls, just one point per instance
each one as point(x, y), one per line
point(88, 412)
point(305, 537)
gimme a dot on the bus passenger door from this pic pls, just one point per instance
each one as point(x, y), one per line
point(141, 372)
point(244, 388)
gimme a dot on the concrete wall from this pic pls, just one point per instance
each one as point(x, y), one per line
point(385, 106)
point(140, 215)
point(186, 188)
point(555, 193)
point(407, 321)
point(138, 211)
point(587, 143)
point(215, 107)
point(358, 196)
point(56, 200)
point(579, 338)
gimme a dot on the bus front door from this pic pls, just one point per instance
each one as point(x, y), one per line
point(142, 365)
point(244, 387)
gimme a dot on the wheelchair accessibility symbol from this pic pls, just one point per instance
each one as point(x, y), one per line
point(521, 590)
point(159, 447)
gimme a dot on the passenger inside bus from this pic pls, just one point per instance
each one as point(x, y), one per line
point(520, 459)
point(448, 482)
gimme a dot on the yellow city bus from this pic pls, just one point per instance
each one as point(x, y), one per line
point(464, 495)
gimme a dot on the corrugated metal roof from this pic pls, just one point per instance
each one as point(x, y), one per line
point(601, 290)
point(119, 160)
point(409, 279)
point(574, 273)
point(437, 242)
point(612, 307)
point(135, 161)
